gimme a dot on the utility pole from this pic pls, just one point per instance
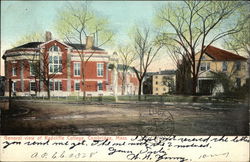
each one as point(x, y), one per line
point(115, 83)
point(10, 90)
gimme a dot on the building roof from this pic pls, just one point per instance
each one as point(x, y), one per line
point(28, 45)
point(36, 44)
point(166, 72)
point(222, 55)
point(82, 46)
point(162, 72)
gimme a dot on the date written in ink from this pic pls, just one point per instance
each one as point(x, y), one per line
point(62, 155)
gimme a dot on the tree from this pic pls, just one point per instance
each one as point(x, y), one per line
point(31, 37)
point(169, 82)
point(240, 41)
point(194, 25)
point(126, 58)
point(41, 69)
point(146, 48)
point(75, 23)
point(147, 85)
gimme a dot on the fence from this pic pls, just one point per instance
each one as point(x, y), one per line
point(145, 98)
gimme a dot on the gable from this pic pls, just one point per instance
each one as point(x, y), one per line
point(54, 42)
point(205, 57)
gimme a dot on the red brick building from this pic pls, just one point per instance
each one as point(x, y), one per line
point(65, 65)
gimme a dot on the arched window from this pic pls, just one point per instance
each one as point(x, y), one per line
point(55, 60)
point(54, 49)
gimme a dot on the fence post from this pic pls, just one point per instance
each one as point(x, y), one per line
point(161, 98)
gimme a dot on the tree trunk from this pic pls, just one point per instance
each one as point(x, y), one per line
point(139, 90)
point(194, 79)
point(83, 82)
point(194, 84)
point(83, 92)
point(124, 79)
point(123, 86)
point(48, 90)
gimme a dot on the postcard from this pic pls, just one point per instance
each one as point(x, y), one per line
point(124, 81)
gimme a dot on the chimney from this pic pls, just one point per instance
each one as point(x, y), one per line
point(48, 36)
point(89, 42)
point(159, 70)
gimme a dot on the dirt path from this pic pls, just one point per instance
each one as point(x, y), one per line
point(124, 119)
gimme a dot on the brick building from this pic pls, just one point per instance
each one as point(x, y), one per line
point(64, 67)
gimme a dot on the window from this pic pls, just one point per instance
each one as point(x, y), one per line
point(99, 86)
point(14, 71)
point(55, 60)
point(54, 49)
point(156, 82)
point(32, 69)
point(77, 68)
point(156, 77)
point(224, 66)
point(77, 85)
point(14, 86)
point(99, 69)
point(164, 89)
point(238, 65)
point(156, 89)
point(204, 66)
point(57, 85)
point(238, 82)
point(32, 86)
point(208, 65)
point(51, 86)
point(203, 57)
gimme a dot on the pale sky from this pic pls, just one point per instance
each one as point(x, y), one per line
point(19, 18)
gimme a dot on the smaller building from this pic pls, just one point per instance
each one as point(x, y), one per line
point(218, 61)
point(127, 80)
point(163, 82)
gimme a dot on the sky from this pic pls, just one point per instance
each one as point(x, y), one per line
point(19, 18)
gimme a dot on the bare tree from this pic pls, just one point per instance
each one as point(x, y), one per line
point(40, 65)
point(31, 37)
point(240, 41)
point(76, 23)
point(126, 57)
point(146, 49)
point(194, 25)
